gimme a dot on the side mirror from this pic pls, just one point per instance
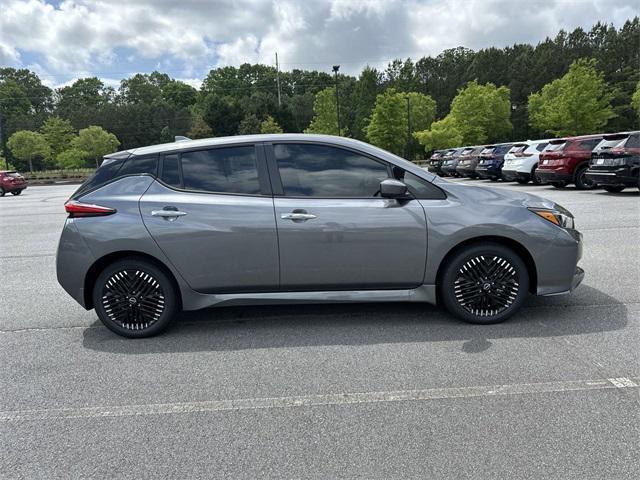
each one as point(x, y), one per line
point(391, 188)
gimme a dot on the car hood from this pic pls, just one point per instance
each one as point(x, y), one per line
point(494, 196)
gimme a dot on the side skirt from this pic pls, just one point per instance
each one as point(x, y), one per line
point(195, 301)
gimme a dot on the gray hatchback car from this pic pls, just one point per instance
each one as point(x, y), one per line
point(291, 218)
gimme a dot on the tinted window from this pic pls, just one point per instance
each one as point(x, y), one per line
point(107, 171)
point(540, 147)
point(418, 187)
point(221, 170)
point(589, 144)
point(323, 171)
point(555, 147)
point(138, 165)
point(171, 170)
point(633, 141)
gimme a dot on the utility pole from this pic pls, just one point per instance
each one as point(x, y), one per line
point(2, 149)
point(409, 152)
point(335, 71)
point(278, 80)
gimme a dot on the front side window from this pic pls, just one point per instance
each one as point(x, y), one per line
point(323, 171)
point(221, 170)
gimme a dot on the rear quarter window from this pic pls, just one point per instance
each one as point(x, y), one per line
point(106, 172)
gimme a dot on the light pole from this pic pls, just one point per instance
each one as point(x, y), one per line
point(408, 99)
point(335, 71)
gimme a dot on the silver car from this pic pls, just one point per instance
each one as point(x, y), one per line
point(290, 218)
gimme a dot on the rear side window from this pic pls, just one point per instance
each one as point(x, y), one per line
point(324, 171)
point(221, 170)
point(541, 146)
point(106, 172)
point(555, 147)
point(139, 165)
point(171, 171)
point(633, 141)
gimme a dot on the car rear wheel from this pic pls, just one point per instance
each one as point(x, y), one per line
point(613, 188)
point(2, 192)
point(484, 283)
point(134, 298)
point(534, 176)
point(559, 184)
point(581, 180)
point(522, 181)
point(16, 192)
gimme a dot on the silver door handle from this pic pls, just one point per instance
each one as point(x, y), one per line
point(297, 216)
point(168, 213)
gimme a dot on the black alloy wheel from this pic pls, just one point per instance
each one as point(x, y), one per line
point(485, 283)
point(134, 298)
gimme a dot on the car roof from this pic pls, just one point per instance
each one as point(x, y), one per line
point(239, 139)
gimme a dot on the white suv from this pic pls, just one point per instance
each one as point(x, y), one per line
point(521, 161)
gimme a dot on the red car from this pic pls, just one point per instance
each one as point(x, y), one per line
point(11, 182)
point(566, 161)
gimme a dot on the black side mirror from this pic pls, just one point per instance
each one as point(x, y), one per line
point(391, 188)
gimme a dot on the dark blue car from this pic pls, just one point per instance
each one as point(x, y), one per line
point(492, 160)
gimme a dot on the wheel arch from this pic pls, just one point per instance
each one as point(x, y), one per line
point(514, 245)
point(100, 264)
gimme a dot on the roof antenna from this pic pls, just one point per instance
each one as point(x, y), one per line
point(180, 138)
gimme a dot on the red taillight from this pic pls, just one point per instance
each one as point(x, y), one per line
point(79, 209)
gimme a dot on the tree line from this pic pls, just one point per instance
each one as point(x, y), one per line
point(577, 82)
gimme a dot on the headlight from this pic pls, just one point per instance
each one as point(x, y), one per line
point(558, 216)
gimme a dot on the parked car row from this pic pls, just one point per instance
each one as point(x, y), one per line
point(588, 161)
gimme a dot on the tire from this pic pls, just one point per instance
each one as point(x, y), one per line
point(134, 298)
point(2, 192)
point(484, 283)
point(613, 188)
point(16, 192)
point(522, 181)
point(559, 184)
point(493, 179)
point(534, 178)
point(582, 182)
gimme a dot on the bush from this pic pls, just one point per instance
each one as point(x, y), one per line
point(72, 158)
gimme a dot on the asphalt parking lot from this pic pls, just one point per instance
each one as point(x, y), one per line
point(341, 391)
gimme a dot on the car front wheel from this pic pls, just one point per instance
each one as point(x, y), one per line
point(484, 283)
point(135, 298)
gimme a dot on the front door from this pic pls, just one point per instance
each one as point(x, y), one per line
point(211, 213)
point(334, 230)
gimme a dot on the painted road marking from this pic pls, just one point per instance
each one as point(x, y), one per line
point(317, 400)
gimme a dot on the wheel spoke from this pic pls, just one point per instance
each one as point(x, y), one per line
point(133, 299)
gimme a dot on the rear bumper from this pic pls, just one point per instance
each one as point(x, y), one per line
point(488, 172)
point(549, 175)
point(466, 171)
point(435, 169)
point(512, 175)
point(617, 177)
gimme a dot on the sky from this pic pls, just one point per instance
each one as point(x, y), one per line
point(70, 39)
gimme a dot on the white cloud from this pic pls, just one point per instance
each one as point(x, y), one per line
point(110, 38)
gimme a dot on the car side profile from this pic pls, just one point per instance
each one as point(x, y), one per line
point(293, 218)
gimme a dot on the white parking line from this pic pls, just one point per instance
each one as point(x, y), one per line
point(318, 400)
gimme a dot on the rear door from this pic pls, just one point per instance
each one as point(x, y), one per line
point(211, 212)
point(334, 230)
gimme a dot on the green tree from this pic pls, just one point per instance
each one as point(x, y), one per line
point(72, 158)
point(635, 100)
point(199, 129)
point(26, 146)
point(59, 133)
point(365, 93)
point(577, 103)
point(389, 125)
point(442, 134)
point(269, 125)
point(482, 112)
point(249, 125)
point(96, 141)
point(166, 136)
point(325, 120)
point(222, 114)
